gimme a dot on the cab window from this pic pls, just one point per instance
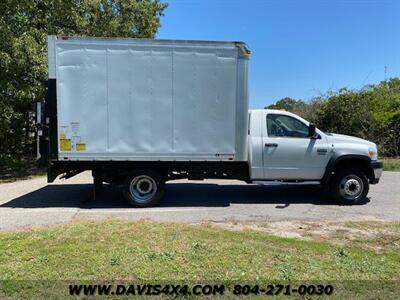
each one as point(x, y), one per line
point(285, 126)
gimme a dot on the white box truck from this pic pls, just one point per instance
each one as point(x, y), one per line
point(139, 112)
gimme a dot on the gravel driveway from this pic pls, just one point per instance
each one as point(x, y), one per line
point(33, 202)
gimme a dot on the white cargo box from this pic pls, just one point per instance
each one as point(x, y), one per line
point(134, 99)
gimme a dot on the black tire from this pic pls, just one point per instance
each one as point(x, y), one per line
point(144, 188)
point(349, 186)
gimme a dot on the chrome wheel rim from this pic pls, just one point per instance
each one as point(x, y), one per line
point(143, 188)
point(351, 187)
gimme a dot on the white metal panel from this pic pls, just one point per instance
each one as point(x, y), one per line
point(82, 96)
point(138, 100)
point(162, 125)
point(120, 109)
point(204, 86)
point(242, 108)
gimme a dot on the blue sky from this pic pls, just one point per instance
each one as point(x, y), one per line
point(300, 48)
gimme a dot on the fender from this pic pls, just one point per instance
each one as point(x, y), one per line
point(338, 157)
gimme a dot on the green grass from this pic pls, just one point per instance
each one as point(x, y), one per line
point(156, 252)
point(391, 164)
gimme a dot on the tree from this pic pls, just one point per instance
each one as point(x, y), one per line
point(24, 26)
point(289, 104)
point(346, 112)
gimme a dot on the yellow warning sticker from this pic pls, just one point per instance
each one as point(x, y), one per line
point(63, 136)
point(65, 145)
point(80, 147)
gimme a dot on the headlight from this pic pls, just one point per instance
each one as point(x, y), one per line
point(373, 153)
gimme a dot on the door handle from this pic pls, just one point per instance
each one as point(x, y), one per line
point(271, 145)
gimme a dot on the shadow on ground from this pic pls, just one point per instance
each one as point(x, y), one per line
point(177, 195)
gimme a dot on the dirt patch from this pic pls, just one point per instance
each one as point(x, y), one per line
point(373, 233)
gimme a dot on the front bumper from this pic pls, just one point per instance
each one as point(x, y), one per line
point(377, 167)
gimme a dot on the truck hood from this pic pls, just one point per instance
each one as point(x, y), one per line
point(341, 138)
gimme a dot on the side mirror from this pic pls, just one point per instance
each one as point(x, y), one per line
point(311, 131)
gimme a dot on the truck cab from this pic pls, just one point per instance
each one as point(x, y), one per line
point(285, 148)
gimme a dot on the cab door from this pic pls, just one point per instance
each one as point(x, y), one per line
point(288, 152)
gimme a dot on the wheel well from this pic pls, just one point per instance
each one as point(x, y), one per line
point(358, 163)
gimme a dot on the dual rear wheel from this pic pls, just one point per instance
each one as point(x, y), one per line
point(144, 188)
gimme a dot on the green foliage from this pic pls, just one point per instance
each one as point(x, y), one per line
point(371, 113)
point(346, 112)
point(24, 26)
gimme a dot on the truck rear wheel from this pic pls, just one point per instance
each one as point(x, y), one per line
point(144, 188)
point(349, 186)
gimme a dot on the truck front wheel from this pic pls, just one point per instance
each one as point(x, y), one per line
point(144, 188)
point(349, 186)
